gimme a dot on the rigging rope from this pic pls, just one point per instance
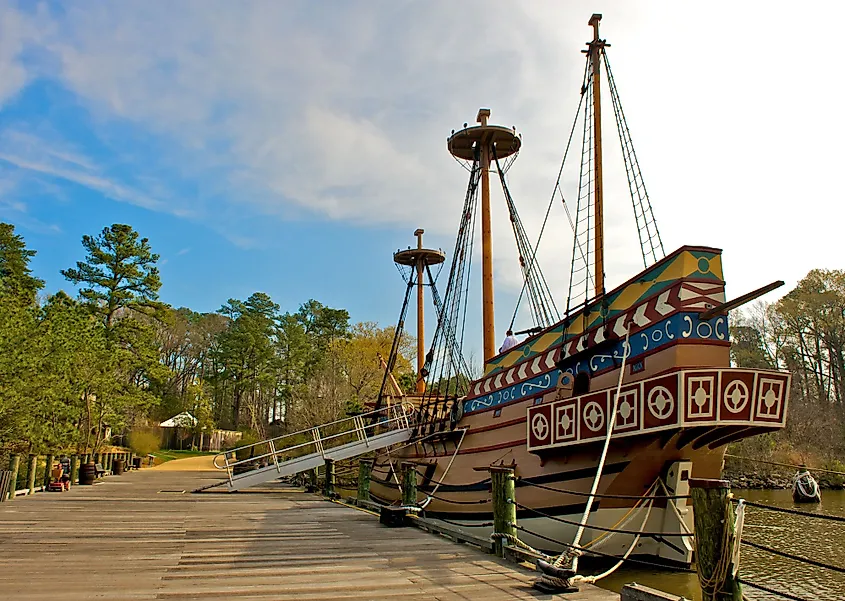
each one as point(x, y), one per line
point(651, 244)
point(580, 273)
point(447, 372)
point(557, 189)
point(394, 349)
point(542, 303)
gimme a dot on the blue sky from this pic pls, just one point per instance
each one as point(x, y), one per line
point(291, 147)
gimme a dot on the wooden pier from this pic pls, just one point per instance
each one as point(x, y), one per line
point(143, 535)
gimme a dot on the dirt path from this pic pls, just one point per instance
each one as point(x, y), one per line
point(189, 464)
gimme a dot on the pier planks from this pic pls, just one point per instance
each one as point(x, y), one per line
point(127, 539)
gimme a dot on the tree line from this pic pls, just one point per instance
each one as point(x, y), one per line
point(804, 333)
point(116, 357)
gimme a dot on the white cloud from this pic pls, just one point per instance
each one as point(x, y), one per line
point(285, 108)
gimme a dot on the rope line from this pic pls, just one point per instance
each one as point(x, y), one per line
point(832, 518)
point(481, 502)
point(772, 591)
point(798, 467)
point(604, 529)
point(603, 496)
point(603, 554)
point(812, 562)
point(481, 525)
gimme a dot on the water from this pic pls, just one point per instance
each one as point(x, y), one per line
point(821, 540)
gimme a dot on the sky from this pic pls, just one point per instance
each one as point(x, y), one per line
point(291, 147)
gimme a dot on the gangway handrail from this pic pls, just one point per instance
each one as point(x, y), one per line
point(399, 414)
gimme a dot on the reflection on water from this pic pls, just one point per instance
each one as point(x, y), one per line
point(821, 540)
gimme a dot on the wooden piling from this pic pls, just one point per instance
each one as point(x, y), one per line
point(14, 467)
point(48, 467)
point(328, 479)
point(504, 504)
point(30, 474)
point(365, 470)
point(713, 513)
point(409, 484)
point(74, 468)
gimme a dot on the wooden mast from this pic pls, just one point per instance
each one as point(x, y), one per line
point(420, 314)
point(418, 259)
point(476, 143)
point(598, 198)
point(487, 314)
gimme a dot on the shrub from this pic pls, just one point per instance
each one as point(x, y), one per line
point(834, 480)
point(143, 442)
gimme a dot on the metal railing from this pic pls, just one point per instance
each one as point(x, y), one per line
point(351, 429)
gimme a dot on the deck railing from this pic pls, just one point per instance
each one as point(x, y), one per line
point(319, 439)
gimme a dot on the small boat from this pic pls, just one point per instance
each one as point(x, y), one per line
point(805, 489)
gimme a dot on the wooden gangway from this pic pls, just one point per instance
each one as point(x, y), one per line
point(143, 535)
point(288, 454)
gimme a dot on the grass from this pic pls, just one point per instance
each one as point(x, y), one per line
point(164, 456)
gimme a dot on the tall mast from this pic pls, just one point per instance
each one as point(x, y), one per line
point(598, 193)
point(420, 314)
point(488, 319)
point(417, 259)
point(464, 144)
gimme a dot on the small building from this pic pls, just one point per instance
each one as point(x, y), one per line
point(179, 432)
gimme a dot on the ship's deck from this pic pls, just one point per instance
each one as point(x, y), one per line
point(139, 536)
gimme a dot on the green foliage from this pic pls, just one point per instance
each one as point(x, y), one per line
point(15, 275)
point(144, 441)
point(834, 480)
point(118, 359)
point(247, 439)
point(119, 272)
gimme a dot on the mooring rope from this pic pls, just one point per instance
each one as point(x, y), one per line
point(604, 529)
point(710, 585)
point(631, 560)
point(524, 482)
point(611, 422)
point(772, 591)
point(812, 562)
point(821, 516)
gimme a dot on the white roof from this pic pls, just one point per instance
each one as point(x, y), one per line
point(183, 420)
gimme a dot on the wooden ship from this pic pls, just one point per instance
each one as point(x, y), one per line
point(656, 348)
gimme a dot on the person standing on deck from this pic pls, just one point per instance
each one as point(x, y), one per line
point(509, 343)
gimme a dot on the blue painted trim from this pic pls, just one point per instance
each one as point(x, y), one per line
point(681, 326)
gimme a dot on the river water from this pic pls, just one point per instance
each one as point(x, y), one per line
point(818, 539)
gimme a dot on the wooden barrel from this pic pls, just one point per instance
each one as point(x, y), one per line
point(117, 467)
point(87, 473)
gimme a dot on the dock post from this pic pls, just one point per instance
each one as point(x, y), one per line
point(30, 474)
point(409, 484)
point(74, 468)
point(365, 469)
point(328, 480)
point(712, 512)
point(48, 467)
point(14, 467)
point(502, 481)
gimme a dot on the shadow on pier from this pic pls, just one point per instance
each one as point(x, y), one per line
point(143, 535)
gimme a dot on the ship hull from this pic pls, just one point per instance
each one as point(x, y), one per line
point(544, 408)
